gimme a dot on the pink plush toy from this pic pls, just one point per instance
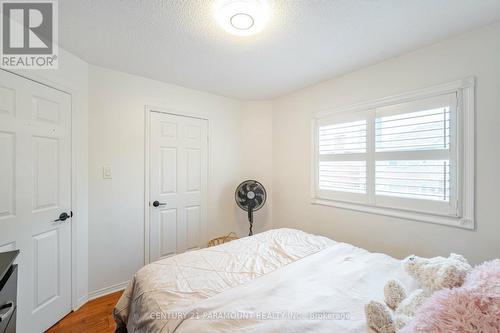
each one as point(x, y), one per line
point(473, 307)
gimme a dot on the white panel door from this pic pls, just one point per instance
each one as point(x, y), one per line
point(178, 184)
point(35, 188)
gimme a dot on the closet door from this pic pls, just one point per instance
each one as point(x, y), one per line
point(178, 183)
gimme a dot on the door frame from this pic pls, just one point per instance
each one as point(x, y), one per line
point(148, 109)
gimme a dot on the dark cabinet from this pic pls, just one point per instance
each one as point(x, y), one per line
point(8, 292)
point(11, 326)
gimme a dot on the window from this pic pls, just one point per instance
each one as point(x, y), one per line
point(409, 156)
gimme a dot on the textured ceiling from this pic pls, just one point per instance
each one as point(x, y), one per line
point(305, 42)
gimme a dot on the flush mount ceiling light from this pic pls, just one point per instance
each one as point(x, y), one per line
point(242, 17)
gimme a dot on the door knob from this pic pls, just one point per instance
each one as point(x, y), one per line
point(63, 217)
point(157, 203)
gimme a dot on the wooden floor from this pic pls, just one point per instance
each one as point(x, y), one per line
point(95, 316)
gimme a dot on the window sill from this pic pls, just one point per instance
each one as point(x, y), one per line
point(408, 215)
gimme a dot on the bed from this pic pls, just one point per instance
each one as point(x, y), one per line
point(282, 280)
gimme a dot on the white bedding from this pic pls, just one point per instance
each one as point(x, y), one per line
point(282, 280)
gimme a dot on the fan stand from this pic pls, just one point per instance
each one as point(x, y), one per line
point(250, 220)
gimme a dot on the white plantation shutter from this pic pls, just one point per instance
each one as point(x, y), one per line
point(418, 179)
point(347, 176)
point(414, 163)
point(420, 130)
point(342, 145)
point(343, 138)
point(401, 156)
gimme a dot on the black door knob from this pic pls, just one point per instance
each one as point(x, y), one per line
point(63, 217)
point(157, 203)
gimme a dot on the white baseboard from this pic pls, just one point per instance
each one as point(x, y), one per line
point(108, 290)
point(81, 301)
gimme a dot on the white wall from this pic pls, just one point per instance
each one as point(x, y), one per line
point(476, 53)
point(256, 151)
point(116, 127)
point(72, 76)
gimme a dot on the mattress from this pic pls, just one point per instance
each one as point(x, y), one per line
point(282, 280)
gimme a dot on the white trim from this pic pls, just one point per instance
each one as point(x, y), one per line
point(391, 212)
point(370, 158)
point(147, 111)
point(466, 120)
point(147, 118)
point(81, 301)
point(436, 90)
point(107, 290)
point(75, 115)
point(465, 153)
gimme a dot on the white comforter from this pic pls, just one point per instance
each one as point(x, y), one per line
point(282, 280)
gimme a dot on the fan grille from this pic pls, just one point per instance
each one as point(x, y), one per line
point(250, 193)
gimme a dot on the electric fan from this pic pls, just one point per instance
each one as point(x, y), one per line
point(250, 196)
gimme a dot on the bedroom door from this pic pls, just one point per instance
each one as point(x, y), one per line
point(178, 184)
point(35, 190)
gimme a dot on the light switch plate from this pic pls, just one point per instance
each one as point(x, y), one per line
point(106, 172)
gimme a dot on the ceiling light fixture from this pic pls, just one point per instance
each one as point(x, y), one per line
point(242, 17)
point(242, 21)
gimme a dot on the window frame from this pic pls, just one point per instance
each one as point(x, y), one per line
point(462, 215)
